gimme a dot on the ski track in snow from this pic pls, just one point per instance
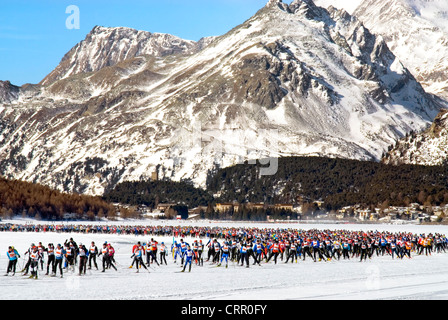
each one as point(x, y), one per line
point(421, 277)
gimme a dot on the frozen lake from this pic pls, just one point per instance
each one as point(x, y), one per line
point(422, 277)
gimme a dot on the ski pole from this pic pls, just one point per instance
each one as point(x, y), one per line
point(21, 267)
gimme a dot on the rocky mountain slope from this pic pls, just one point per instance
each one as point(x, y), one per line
point(105, 47)
point(416, 31)
point(8, 92)
point(427, 148)
point(292, 80)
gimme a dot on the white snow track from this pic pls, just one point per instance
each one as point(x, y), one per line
point(422, 277)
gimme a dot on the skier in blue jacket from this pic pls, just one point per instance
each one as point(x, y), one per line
point(189, 257)
point(345, 249)
point(384, 246)
point(316, 249)
point(175, 249)
point(258, 250)
point(183, 249)
point(225, 251)
point(13, 256)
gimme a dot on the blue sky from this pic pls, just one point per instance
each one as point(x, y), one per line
point(34, 36)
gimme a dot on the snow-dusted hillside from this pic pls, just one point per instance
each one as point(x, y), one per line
point(349, 6)
point(105, 47)
point(8, 92)
point(416, 31)
point(292, 80)
point(426, 148)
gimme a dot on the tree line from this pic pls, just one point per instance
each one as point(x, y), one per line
point(151, 193)
point(41, 202)
point(247, 214)
point(337, 182)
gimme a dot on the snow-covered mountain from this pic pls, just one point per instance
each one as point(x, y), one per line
point(105, 47)
point(425, 148)
point(292, 80)
point(416, 31)
point(8, 92)
point(349, 6)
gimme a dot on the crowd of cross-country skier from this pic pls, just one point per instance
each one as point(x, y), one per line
point(55, 258)
point(217, 246)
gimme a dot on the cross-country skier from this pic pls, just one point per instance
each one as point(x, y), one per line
point(72, 243)
point(244, 254)
point(395, 247)
point(111, 253)
point(34, 265)
point(258, 249)
point(41, 249)
point(133, 249)
point(28, 263)
point(234, 250)
point(107, 253)
point(147, 250)
point(307, 250)
point(407, 248)
point(59, 253)
point(210, 251)
point(163, 253)
point(183, 248)
point(225, 251)
point(216, 250)
point(138, 257)
point(83, 254)
point(292, 253)
point(13, 256)
point(329, 248)
point(363, 248)
point(345, 249)
point(93, 252)
point(50, 257)
point(195, 249)
point(274, 251)
point(188, 258)
point(383, 244)
point(316, 249)
point(175, 249)
point(336, 249)
point(355, 247)
point(154, 250)
point(200, 252)
point(70, 252)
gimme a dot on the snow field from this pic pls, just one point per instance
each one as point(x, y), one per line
point(421, 277)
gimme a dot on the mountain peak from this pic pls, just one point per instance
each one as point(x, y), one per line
point(416, 32)
point(395, 8)
point(293, 6)
point(98, 30)
point(277, 4)
point(104, 46)
point(272, 3)
point(8, 92)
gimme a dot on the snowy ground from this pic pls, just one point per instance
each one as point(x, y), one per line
point(380, 278)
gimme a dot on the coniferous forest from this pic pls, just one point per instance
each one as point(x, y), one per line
point(337, 182)
point(41, 202)
point(151, 193)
